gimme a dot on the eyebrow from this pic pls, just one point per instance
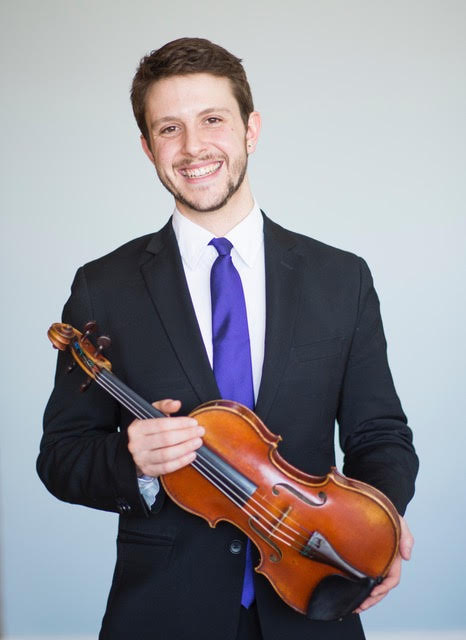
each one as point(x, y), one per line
point(204, 112)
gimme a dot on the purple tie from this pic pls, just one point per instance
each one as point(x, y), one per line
point(231, 352)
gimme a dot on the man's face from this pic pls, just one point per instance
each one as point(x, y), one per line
point(197, 140)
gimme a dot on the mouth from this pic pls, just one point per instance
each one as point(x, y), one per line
point(194, 173)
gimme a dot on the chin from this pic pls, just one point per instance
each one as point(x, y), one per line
point(204, 206)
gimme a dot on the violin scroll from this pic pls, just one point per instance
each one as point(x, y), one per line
point(65, 337)
point(60, 335)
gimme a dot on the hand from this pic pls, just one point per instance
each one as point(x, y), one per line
point(393, 576)
point(163, 445)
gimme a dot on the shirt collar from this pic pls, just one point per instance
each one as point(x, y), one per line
point(247, 238)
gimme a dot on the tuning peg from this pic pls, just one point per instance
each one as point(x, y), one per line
point(85, 385)
point(71, 367)
point(89, 327)
point(103, 342)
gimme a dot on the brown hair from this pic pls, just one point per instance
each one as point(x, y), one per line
point(185, 56)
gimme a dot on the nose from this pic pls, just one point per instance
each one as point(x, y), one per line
point(193, 144)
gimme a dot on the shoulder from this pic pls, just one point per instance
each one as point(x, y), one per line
point(127, 259)
point(314, 253)
point(103, 283)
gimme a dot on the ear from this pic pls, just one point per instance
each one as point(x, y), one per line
point(252, 131)
point(147, 149)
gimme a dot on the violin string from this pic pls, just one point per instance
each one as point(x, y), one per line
point(251, 501)
point(261, 501)
point(208, 470)
point(123, 397)
point(245, 507)
point(141, 412)
point(127, 401)
point(119, 394)
point(116, 391)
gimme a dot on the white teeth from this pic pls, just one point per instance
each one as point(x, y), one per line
point(201, 171)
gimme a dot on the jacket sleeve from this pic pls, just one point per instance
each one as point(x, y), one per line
point(374, 435)
point(84, 457)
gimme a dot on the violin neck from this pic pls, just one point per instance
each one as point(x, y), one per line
point(234, 485)
point(136, 405)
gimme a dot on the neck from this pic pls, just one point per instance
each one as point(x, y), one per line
point(221, 221)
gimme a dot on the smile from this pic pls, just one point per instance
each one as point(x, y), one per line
point(201, 172)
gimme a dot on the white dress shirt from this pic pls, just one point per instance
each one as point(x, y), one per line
point(198, 257)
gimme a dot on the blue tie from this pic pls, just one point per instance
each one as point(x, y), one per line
point(231, 352)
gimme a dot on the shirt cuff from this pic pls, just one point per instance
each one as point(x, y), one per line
point(148, 488)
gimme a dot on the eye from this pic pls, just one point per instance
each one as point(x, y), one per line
point(171, 130)
point(213, 120)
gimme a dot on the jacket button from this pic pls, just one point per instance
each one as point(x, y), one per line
point(236, 546)
point(122, 505)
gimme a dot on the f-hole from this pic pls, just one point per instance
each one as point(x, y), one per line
point(322, 495)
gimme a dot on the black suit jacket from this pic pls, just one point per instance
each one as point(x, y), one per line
point(325, 360)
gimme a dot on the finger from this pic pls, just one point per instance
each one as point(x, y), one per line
point(167, 454)
point(153, 426)
point(150, 448)
point(385, 587)
point(391, 580)
point(368, 603)
point(170, 438)
point(406, 540)
point(170, 466)
point(157, 461)
point(167, 406)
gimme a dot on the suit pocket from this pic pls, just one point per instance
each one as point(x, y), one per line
point(141, 551)
point(327, 348)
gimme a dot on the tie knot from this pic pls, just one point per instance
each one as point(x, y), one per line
point(223, 246)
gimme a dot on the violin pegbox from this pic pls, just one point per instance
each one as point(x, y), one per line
point(63, 336)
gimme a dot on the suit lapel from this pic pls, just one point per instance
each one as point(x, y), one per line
point(163, 273)
point(165, 280)
point(283, 277)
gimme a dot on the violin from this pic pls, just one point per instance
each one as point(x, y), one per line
point(324, 541)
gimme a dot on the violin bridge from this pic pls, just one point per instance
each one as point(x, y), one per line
point(273, 557)
point(280, 520)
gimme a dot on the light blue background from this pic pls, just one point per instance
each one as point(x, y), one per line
point(363, 147)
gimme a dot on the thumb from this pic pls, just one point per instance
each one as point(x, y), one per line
point(167, 405)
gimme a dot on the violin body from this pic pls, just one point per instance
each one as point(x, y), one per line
point(287, 507)
point(324, 542)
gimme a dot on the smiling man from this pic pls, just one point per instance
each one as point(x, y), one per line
point(221, 302)
point(199, 143)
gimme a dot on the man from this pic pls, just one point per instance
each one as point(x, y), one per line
point(311, 352)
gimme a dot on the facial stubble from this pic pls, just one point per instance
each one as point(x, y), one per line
point(239, 166)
